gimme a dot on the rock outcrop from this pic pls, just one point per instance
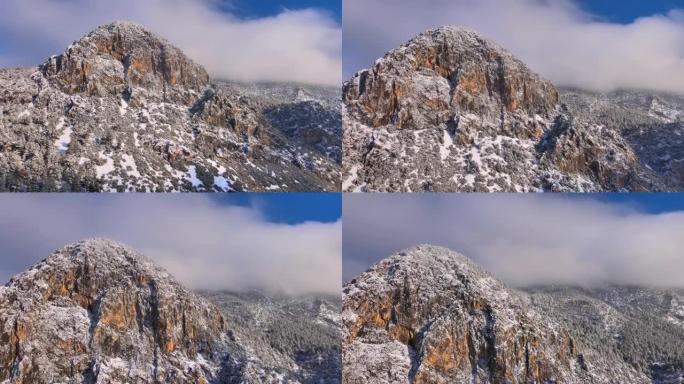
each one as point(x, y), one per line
point(429, 315)
point(453, 111)
point(444, 73)
point(98, 312)
point(124, 110)
point(120, 57)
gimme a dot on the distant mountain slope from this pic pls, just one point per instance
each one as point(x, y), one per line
point(294, 339)
point(453, 111)
point(652, 123)
point(430, 315)
point(644, 326)
point(310, 115)
point(123, 110)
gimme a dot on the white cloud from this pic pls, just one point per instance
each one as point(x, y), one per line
point(201, 242)
point(556, 38)
point(523, 239)
point(296, 45)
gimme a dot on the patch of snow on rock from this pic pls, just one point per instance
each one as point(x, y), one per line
point(64, 139)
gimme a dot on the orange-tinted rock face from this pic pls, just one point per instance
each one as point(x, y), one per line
point(458, 324)
point(444, 73)
point(459, 342)
point(99, 303)
point(118, 56)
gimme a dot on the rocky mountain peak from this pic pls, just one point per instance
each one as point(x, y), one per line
point(96, 260)
point(442, 264)
point(98, 311)
point(451, 111)
point(118, 57)
point(428, 254)
point(442, 73)
point(124, 110)
point(430, 315)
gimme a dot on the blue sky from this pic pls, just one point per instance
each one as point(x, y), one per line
point(651, 203)
point(626, 11)
point(621, 11)
point(261, 8)
point(290, 208)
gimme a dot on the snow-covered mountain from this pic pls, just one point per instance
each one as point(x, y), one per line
point(643, 326)
point(124, 110)
point(453, 111)
point(430, 315)
point(288, 339)
point(99, 312)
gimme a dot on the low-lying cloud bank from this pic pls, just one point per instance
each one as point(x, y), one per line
point(523, 239)
point(556, 38)
point(294, 46)
point(203, 243)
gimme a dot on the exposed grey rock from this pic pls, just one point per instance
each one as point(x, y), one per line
point(452, 111)
point(650, 124)
point(124, 110)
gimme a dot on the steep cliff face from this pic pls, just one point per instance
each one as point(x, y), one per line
point(98, 312)
point(121, 57)
point(453, 111)
point(429, 315)
point(124, 110)
point(444, 73)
